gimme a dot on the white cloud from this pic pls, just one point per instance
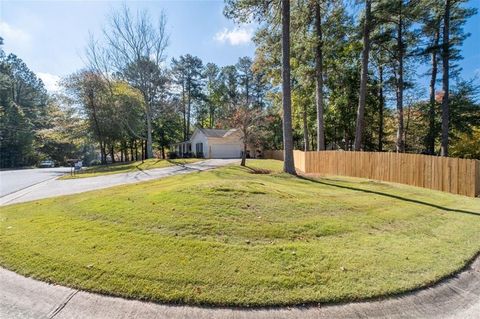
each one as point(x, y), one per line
point(12, 35)
point(50, 81)
point(236, 36)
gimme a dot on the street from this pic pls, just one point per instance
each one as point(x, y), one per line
point(14, 180)
point(33, 184)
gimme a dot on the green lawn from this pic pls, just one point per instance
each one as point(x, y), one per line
point(129, 167)
point(230, 237)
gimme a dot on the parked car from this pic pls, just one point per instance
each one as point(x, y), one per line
point(47, 163)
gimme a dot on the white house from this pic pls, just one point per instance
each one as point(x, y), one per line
point(211, 143)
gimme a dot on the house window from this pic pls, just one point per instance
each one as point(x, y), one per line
point(199, 149)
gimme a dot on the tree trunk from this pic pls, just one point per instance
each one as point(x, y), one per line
point(103, 153)
point(247, 88)
point(288, 162)
point(212, 111)
point(244, 155)
point(189, 106)
point(431, 111)
point(363, 79)
point(409, 109)
point(136, 150)
point(445, 79)
point(184, 113)
point(112, 153)
point(149, 148)
point(319, 79)
point(131, 151)
point(305, 128)
point(380, 109)
point(400, 144)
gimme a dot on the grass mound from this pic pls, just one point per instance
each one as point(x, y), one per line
point(229, 237)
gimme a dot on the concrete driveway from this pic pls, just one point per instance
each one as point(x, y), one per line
point(47, 186)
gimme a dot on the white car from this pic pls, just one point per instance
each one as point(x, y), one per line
point(47, 163)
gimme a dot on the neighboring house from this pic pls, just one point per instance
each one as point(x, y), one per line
point(211, 143)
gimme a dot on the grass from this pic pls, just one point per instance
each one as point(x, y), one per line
point(230, 237)
point(129, 167)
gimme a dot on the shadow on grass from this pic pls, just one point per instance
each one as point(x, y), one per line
point(152, 164)
point(390, 195)
point(176, 162)
point(256, 170)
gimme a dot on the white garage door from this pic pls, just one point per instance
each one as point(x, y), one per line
point(225, 151)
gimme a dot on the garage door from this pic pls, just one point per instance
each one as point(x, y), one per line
point(225, 151)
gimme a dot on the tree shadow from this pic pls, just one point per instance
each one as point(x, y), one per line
point(256, 170)
point(416, 201)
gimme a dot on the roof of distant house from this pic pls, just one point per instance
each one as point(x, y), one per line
point(210, 132)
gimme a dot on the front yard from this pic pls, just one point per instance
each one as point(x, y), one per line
point(231, 237)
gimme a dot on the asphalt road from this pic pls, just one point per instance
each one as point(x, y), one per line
point(12, 181)
point(51, 187)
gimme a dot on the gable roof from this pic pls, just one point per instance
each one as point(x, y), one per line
point(209, 132)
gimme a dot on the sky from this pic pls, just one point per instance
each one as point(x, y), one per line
point(50, 36)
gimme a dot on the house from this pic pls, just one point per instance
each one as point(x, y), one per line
point(211, 143)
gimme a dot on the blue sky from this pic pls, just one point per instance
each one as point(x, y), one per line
point(50, 36)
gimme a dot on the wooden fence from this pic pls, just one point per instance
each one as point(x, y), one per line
point(453, 175)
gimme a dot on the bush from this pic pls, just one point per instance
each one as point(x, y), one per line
point(95, 162)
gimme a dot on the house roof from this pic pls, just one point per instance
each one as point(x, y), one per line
point(209, 132)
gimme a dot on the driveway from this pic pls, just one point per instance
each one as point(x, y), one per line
point(12, 181)
point(46, 186)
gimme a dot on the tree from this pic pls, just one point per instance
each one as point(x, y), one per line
point(431, 30)
point(319, 78)
point(213, 91)
point(445, 78)
point(135, 49)
point(397, 18)
point(247, 120)
point(23, 104)
point(245, 10)
point(188, 73)
point(65, 136)
point(359, 131)
point(88, 89)
point(288, 162)
point(245, 74)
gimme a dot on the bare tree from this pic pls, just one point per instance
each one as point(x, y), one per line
point(135, 48)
